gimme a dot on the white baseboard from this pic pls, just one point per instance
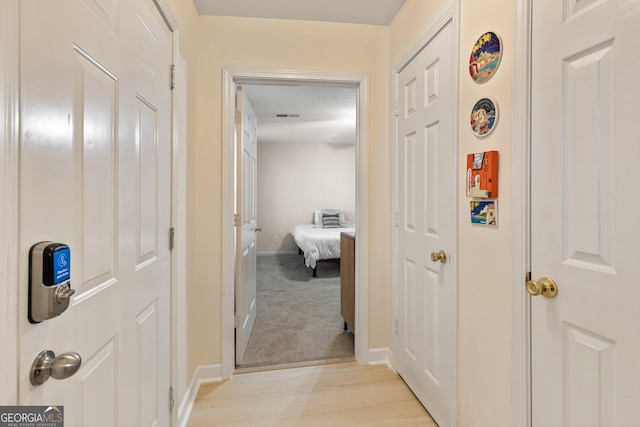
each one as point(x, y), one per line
point(204, 374)
point(277, 253)
point(380, 356)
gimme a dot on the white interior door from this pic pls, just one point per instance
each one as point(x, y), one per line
point(584, 204)
point(425, 335)
point(95, 174)
point(246, 201)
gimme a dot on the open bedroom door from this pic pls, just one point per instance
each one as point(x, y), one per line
point(245, 221)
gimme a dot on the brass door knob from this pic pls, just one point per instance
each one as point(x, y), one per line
point(257, 229)
point(439, 256)
point(544, 286)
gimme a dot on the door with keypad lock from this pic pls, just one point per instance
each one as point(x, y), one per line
point(95, 174)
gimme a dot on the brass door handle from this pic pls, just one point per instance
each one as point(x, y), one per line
point(258, 229)
point(439, 256)
point(544, 286)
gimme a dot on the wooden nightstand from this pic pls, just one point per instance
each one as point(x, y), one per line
point(347, 279)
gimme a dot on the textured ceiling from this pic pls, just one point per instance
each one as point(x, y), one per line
point(374, 12)
point(304, 113)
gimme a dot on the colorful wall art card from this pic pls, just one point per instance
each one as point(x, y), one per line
point(485, 57)
point(482, 175)
point(484, 212)
point(484, 117)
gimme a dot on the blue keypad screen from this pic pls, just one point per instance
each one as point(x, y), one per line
point(61, 265)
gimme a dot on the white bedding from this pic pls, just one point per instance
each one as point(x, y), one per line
point(318, 243)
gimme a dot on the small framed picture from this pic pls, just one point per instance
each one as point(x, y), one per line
point(484, 212)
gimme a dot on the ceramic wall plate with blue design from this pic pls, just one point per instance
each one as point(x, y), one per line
point(484, 117)
point(485, 57)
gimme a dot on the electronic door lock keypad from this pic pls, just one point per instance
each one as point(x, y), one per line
point(49, 280)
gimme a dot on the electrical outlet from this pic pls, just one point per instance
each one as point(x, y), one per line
point(275, 238)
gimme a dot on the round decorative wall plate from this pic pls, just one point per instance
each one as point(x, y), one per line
point(484, 117)
point(485, 57)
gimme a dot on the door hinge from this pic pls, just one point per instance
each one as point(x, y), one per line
point(172, 238)
point(236, 220)
point(395, 218)
point(238, 117)
point(395, 109)
point(172, 401)
point(172, 84)
point(236, 320)
point(396, 326)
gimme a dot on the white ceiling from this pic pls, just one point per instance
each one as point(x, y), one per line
point(318, 114)
point(374, 12)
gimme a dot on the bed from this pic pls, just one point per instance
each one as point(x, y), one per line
point(319, 243)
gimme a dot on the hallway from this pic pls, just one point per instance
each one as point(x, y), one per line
point(341, 394)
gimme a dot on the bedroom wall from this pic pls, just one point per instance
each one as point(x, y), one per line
point(296, 179)
point(484, 321)
point(295, 45)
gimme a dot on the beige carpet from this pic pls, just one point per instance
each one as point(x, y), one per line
point(298, 316)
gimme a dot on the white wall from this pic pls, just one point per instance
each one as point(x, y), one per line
point(485, 317)
point(296, 179)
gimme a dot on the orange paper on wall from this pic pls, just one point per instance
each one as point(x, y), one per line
point(482, 175)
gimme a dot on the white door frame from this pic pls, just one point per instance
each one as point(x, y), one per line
point(452, 15)
point(179, 309)
point(521, 208)
point(9, 168)
point(178, 257)
point(233, 75)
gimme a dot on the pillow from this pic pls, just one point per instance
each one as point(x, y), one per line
point(317, 216)
point(330, 220)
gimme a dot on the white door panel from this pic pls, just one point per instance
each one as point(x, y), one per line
point(246, 205)
point(424, 346)
point(585, 344)
point(95, 171)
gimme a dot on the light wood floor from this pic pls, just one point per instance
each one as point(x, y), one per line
point(341, 394)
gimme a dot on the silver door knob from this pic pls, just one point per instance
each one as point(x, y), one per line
point(48, 365)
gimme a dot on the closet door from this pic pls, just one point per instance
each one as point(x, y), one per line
point(425, 297)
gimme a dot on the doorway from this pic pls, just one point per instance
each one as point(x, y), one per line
point(306, 160)
point(231, 78)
